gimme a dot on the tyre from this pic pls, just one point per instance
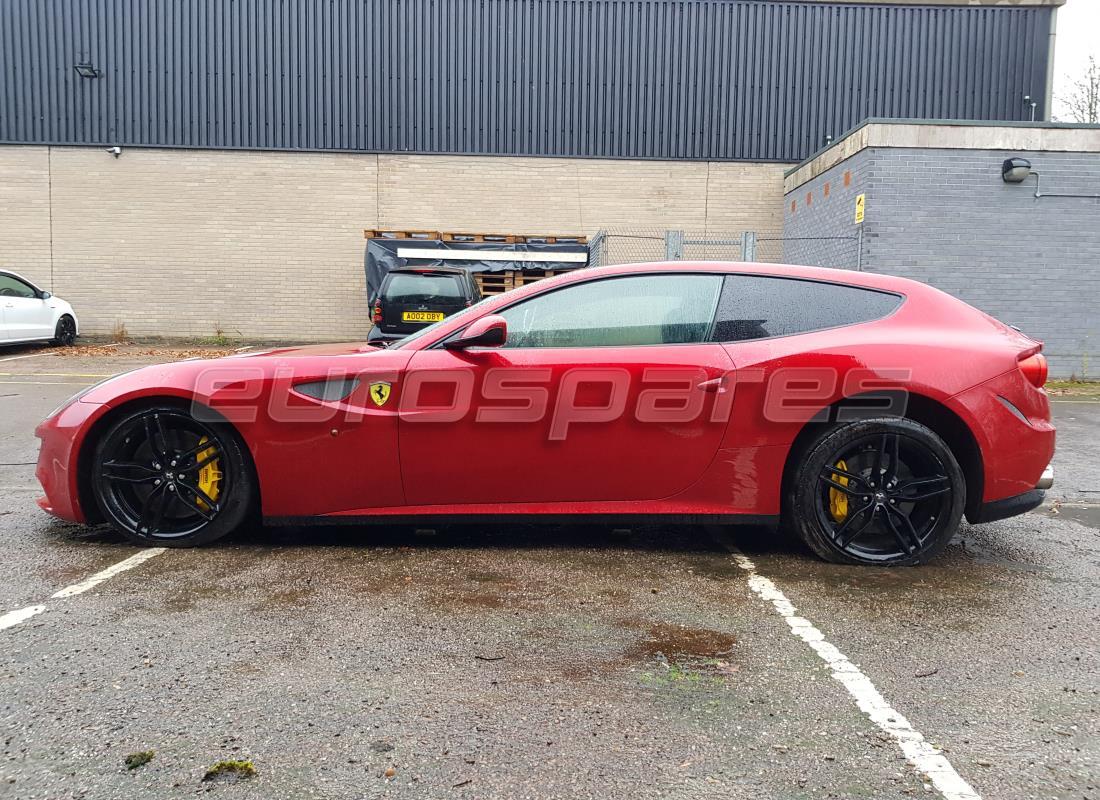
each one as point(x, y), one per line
point(65, 332)
point(885, 492)
point(164, 478)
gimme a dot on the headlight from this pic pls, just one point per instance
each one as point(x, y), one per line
point(79, 395)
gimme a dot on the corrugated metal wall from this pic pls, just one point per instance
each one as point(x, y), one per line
point(699, 79)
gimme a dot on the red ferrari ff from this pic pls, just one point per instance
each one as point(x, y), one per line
point(868, 413)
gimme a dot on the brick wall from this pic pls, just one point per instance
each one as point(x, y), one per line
point(945, 217)
point(270, 246)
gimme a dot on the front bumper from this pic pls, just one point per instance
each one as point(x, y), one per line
point(61, 436)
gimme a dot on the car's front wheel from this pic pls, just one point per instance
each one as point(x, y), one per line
point(163, 477)
point(64, 333)
point(884, 492)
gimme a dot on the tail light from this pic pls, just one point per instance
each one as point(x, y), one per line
point(377, 318)
point(1034, 368)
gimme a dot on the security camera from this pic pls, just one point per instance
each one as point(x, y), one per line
point(116, 151)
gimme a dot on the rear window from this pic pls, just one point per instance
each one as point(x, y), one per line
point(413, 288)
point(760, 307)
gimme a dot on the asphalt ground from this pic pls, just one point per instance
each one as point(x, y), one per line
point(507, 661)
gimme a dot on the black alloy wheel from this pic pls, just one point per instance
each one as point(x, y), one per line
point(65, 332)
point(881, 492)
point(163, 477)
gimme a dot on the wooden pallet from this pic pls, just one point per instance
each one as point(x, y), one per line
point(427, 236)
point(495, 282)
point(492, 283)
point(508, 238)
point(534, 275)
point(482, 238)
point(475, 238)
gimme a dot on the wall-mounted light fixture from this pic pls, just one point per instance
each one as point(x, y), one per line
point(1018, 170)
point(1031, 104)
point(1015, 170)
point(87, 71)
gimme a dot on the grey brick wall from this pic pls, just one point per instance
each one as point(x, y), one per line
point(945, 217)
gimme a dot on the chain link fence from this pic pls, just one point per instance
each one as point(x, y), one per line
point(618, 246)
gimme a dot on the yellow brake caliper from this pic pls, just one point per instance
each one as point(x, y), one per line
point(210, 474)
point(838, 501)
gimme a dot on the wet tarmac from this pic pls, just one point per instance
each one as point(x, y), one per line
point(524, 661)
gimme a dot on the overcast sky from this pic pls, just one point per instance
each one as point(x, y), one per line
point(1078, 37)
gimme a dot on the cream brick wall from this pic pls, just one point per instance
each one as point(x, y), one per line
point(270, 246)
point(25, 211)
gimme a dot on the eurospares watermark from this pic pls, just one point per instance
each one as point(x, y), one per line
point(561, 398)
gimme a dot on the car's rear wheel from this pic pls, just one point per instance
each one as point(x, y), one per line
point(884, 492)
point(64, 333)
point(163, 477)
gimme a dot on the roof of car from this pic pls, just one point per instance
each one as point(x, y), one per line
point(870, 280)
point(856, 278)
point(450, 270)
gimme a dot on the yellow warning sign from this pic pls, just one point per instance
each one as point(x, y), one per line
point(859, 208)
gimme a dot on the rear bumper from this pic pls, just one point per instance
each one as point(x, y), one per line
point(1017, 504)
point(1047, 479)
point(1008, 507)
point(1010, 420)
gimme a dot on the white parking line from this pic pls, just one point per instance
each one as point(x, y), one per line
point(110, 572)
point(44, 383)
point(31, 355)
point(13, 618)
point(922, 755)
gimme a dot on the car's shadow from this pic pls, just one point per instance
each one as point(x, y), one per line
point(504, 536)
point(33, 348)
point(488, 536)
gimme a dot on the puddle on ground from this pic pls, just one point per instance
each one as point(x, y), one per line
point(482, 600)
point(676, 642)
point(1081, 513)
point(490, 577)
point(678, 650)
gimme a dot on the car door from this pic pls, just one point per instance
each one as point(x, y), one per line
point(606, 390)
point(25, 314)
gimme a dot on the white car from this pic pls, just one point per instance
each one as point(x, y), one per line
point(29, 314)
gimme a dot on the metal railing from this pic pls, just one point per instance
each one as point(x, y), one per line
point(619, 246)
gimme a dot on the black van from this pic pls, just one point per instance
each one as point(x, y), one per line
point(412, 297)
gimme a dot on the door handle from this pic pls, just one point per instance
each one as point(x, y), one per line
point(713, 385)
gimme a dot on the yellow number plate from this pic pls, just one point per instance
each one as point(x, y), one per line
point(421, 316)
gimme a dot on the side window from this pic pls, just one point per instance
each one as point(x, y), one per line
point(758, 307)
point(13, 287)
point(633, 310)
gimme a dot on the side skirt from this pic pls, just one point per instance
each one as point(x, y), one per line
point(766, 520)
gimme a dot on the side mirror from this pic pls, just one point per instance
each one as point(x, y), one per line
point(46, 295)
point(489, 331)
